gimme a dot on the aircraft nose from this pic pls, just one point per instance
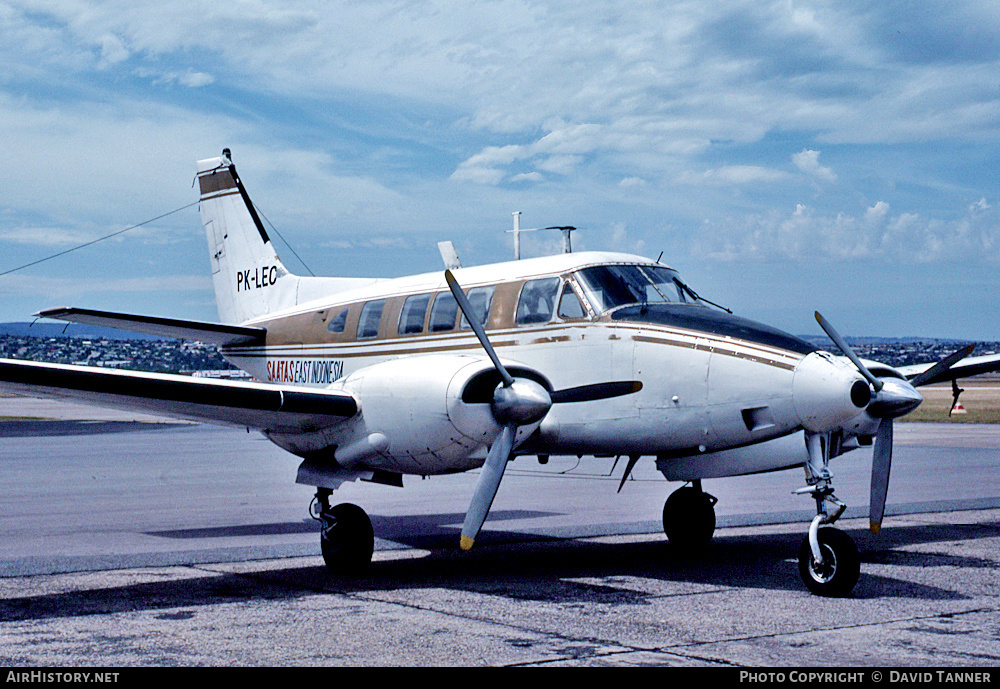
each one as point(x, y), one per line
point(828, 392)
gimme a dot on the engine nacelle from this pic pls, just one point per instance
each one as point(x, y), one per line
point(418, 415)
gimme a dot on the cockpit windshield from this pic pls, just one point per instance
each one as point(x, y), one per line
point(611, 286)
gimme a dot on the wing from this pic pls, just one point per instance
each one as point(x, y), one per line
point(970, 366)
point(260, 406)
point(209, 333)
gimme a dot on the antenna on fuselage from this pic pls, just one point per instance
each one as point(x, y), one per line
point(567, 231)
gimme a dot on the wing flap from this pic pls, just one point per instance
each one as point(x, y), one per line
point(238, 403)
point(200, 331)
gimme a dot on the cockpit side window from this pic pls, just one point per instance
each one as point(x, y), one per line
point(570, 307)
point(537, 302)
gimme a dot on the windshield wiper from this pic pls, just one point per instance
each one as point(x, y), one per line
point(694, 295)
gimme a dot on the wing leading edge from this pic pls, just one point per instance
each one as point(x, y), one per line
point(260, 406)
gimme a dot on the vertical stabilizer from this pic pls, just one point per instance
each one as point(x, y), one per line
point(249, 279)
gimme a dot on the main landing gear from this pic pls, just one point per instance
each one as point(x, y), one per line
point(689, 517)
point(346, 538)
point(829, 563)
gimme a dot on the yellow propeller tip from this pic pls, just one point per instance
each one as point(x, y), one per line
point(466, 543)
point(875, 526)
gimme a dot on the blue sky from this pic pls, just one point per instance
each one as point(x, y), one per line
point(785, 156)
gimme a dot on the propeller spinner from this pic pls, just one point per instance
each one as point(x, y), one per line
point(516, 402)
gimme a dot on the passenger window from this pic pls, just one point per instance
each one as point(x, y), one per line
point(480, 298)
point(411, 318)
point(371, 315)
point(537, 302)
point(338, 322)
point(444, 312)
point(569, 304)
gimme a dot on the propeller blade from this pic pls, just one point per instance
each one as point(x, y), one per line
point(596, 391)
point(477, 327)
point(940, 367)
point(848, 352)
point(881, 462)
point(489, 482)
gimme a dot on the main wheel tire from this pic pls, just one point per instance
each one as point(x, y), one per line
point(348, 542)
point(841, 566)
point(689, 518)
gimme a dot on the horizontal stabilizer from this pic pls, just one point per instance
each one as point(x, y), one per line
point(969, 366)
point(254, 405)
point(199, 331)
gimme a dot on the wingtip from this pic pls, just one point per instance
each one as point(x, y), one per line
point(466, 543)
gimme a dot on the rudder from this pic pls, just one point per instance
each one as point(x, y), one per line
point(249, 278)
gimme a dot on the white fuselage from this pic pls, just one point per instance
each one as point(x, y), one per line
point(710, 381)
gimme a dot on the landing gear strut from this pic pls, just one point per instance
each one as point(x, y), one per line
point(829, 563)
point(346, 538)
point(689, 517)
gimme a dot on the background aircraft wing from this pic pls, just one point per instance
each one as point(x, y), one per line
point(254, 405)
point(969, 366)
point(209, 333)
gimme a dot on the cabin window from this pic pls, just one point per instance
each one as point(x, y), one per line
point(444, 312)
point(480, 298)
point(569, 304)
point(338, 322)
point(411, 318)
point(537, 302)
point(371, 315)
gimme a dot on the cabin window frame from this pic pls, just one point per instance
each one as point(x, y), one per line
point(364, 318)
point(440, 328)
point(463, 323)
point(423, 316)
point(344, 314)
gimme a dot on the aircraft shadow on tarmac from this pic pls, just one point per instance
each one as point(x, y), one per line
point(34, 428)
point(541, 570)
point(417, 531)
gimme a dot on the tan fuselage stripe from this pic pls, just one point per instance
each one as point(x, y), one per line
point(767, 357)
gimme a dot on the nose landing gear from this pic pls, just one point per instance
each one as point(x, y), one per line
point(836, 572)
point(829, 563)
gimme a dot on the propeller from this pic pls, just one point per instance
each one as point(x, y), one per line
point(893, 398)
point(516, 402)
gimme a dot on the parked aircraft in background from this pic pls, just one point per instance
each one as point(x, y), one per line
point(468, 368)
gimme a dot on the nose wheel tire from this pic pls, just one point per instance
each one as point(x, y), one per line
point(689, 518)
point(347, 540)
point(837, 574)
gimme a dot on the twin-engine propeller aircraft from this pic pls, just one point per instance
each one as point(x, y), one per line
point(580, 353)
